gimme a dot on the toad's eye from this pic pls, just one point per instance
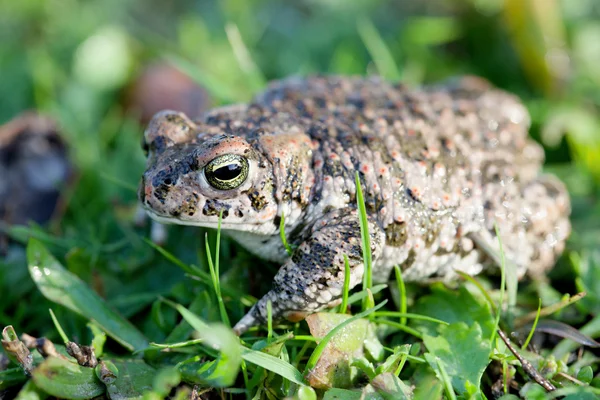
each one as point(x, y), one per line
point(227, 172)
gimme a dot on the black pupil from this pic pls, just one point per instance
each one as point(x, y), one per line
point(228, 172)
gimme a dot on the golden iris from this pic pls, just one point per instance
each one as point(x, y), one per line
point(227, 172)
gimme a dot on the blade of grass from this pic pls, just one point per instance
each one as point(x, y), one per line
point(215, 87)
point(505, 376)
point(177, 345)
point(214, 272)
point(345, 292)
point(380, 53)
point(119, 182)
point(218, 250)
point(304, 338)
point(502, 286)
point(59, 328)
point(288, 249)
point(366, 240)
point(189, 269)
point(273, 364)
point(409, 315)
point(400, 326)
point(269, 321)
point(535, 321)
point(244, 368)
point(446, 380)
point(243, 57)
point(370, 300)
point(401, 365)
point(401, 293)
point(300, 354)
point(363, 293)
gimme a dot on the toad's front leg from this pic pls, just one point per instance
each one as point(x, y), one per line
point(313, 278)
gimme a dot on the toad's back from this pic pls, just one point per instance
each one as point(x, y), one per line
point(438, 166)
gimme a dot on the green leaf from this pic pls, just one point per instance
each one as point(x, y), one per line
point(11, 377)
point(347, 345)
point(342, 394)
point(394, 360)
point(587, 267)
point(462, 352)
point(166, 380)
point(223, 370)
point(273, 364)
point(220, 372)
point(64, 379)
point(365, 366)
point(352, 342)
point(453, 306)
point(581, 394)
point(31, 392)
point(585, 374)
point(305, 393)
point(133, 379)
point(390, 387)
point(62, 287)
point(429, 386)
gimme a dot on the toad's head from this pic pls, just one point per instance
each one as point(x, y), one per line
point(193, 176)
point(197, 171)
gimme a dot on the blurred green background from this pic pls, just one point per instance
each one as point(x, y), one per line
point(76, 60)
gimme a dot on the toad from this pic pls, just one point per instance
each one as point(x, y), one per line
point(440, 167)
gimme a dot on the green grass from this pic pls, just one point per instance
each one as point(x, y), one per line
point(161, 314)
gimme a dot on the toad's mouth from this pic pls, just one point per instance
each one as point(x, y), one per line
point(172, 220)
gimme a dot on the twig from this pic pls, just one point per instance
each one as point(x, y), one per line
point(527, 366)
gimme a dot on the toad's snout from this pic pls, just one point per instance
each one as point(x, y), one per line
point(160, 193)
point(154, 189)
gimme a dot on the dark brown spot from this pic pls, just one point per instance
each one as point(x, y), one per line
point(161, 193)
point(395, 234)
point(257, 200)
point(410, 260)
point(159, 144)
point(213, 207)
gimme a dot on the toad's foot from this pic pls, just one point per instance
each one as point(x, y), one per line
point(313, 278)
